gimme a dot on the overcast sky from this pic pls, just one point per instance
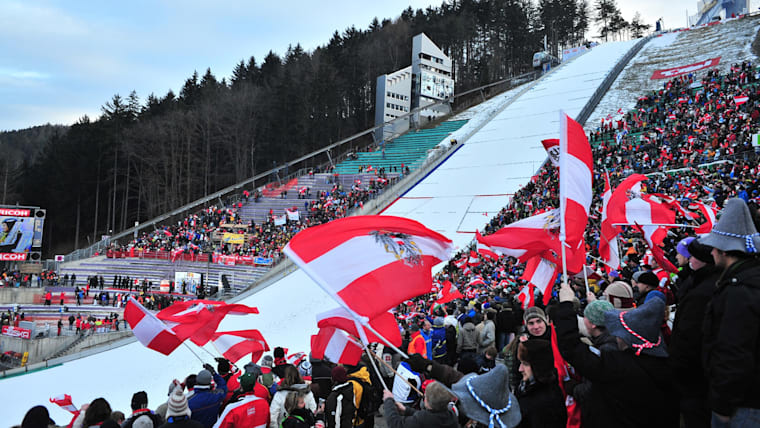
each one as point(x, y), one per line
point(60, 60)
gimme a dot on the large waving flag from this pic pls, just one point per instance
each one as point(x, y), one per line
point(526, 238)
point(710, 213)
point(336, 346)
point(654, 236)
point(576, 169)
point(370, 264)
point(149, 330)
point(235, 345)
point(340, 318)
point(198, 320)
point(448, 293)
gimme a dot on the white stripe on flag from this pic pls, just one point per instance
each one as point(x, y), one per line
point(578, 184)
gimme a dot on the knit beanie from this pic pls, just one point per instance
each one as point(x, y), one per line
point(247, 382)
point(595, 310)
point(177, 404)
point(535, 312)
point(701, 252)
point(139, 400)
point(649, 279)
point(203, 378)
point(339, 375)
point(619, 294)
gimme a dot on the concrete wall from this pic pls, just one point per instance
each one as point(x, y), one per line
point(40, 349)
point(21, 295)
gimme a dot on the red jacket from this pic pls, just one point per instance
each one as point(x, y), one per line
point(251, 411)
point(417, 345)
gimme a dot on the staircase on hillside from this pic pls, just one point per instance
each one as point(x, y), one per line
point(71, 346)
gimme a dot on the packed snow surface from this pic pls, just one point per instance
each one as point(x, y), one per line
point(456, 199)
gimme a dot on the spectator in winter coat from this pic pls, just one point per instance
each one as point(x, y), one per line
point(487, 336)
point(694, 293)
point(438, 338)
point(435, 411)
point(361, 381)
point(467, 340)
point(732, 324)
point(645, 282)
point(247, 410)
point(142, 417)
point(178, 413)
point(296, 413)
point(339, 407)
point(417, 343)
point(207, 400)
point(291, 382)
point(542, 403)
point(631, 386)
point(427, 334)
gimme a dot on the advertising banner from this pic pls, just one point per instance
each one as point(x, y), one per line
point(192, 281)
point(668, 73)
point(233, 238)
point(24, 333)
point(436, 86)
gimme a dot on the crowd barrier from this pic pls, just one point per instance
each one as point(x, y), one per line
point(181, 255)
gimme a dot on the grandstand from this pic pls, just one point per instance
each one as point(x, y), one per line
point(500, 152)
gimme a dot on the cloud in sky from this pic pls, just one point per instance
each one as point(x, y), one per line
point(66, 56)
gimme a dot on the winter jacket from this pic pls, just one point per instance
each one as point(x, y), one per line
point(694, 293)
point(277, 408)
point(732, 339)
point(299, 418)
point(487, 336)
point(181, 422)
point(467, 341)
point(248, 411)
point(205, 402)
point(339, 407)
point(541, 405)
point(505, 322)
point(439, 343)
point(418, 418)
point(320, 375)
point(417, 345)
point(143, 418)
point(626, 390)
point(428, 336)
point(358, 379)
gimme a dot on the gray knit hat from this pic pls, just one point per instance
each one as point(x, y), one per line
point(640, 327)
point(204, 378)
point(735, 230)
point(535, 312)
point(487, 399)
point(177, 404)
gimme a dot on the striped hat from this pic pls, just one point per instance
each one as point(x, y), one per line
point(177, 405)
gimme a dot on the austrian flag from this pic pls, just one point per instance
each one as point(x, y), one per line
point(336, 345)
point(370, 264)
point(149, 330)
point(576, 166)
point(235, 345)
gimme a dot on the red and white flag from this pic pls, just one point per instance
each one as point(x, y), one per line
point(336, 346)
point(385, 324)
point(542, 274)
point(486, 252)
point(608, 241)
point(525, 238)
point(575, 177)
point(198, 320)
point(448, 293)
point(552, 149)
point(474, 260)
point(654, 236)
point(358, 260)
point(527, 296)
point(64, 401)
point(710, 215)
point(628, 207)
point(740, 100)
point(296, 359)
point(149, 330)
point(235, 345)
point(476, 282)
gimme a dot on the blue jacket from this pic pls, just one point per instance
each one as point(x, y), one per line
point(428, 341)
point(205, 403)
point(438, 340)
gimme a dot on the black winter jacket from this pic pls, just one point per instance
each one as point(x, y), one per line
point(339, 407)
point(694, 293)
point(732, 339)
point(626, 390)
point(541, 405)
point(418, 418)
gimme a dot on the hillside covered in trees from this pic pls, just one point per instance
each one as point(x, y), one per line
point(144, 157)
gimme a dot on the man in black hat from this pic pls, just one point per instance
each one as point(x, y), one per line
point(694, 293)
point(142, 416)
point(732, 322)
point(644, 282)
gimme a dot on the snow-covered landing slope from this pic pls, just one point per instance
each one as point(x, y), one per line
point(496, 160)
point(476, 182)
point(732, 41)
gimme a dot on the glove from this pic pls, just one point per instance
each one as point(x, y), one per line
point(209, 368)
point(419, 363)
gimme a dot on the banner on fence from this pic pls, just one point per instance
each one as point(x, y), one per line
point(24, 333)
point(279, 220)
point(233, 238)
point(292, 214)
point(668, 73)
point(263, 261)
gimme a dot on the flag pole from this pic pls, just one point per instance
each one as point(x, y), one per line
point(191, 350)
point(562, 231)
point(585, 278)
point(398, 375)
point(370, 354)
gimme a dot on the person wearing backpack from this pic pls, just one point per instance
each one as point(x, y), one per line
point(360, 380)
point(340, 409)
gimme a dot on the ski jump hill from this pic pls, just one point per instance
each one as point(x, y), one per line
point(499, 150)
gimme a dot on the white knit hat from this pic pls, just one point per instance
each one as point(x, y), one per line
point(177, 405)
